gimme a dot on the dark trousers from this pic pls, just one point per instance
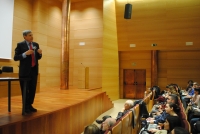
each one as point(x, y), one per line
point(31, 86)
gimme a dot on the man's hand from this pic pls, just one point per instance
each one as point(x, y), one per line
point(39, 51)
point(29, 52)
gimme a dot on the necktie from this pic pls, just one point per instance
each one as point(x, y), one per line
point(32, 56)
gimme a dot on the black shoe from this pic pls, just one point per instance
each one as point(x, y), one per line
point(26, 112)
point(32, 109)
point(105, 117)
point(99, 121)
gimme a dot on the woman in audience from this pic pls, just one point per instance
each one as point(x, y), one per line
point(187, 96)
point(188, 84)
point(194, 100)
point(173, 90)
point(92, 129)
point(171, 108)
point(170, 123)
point(179, 130)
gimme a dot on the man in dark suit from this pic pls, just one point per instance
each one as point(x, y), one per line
point(28, 53)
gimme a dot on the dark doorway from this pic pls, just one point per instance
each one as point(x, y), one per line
point(134, 83)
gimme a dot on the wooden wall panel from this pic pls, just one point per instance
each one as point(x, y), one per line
point(110, 65)
point(91, 43)
point(178, 67)
point(46, 24)
point(86, 25)
point(169, 24)
point(44, 19)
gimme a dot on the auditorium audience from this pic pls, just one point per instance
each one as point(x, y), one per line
point(92, 129)
point(166, 112)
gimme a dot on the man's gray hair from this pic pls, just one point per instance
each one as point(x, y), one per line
point(25, 32)
point(129, 102)
point(110, 121)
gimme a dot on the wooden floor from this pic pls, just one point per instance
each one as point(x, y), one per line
point(59, 112)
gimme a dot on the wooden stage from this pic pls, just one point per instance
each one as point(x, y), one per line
point(59, 112)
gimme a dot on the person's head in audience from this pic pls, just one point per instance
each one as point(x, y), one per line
point(191, 85)
point(172, 98)
point(196, 91)
point(172, 109)
point(109, 122)
point(189, 82)
point(91, 129)
point(176, 87)
point(167, 88)
point(171, 122)
point(179, 130)
point(195, 84)
point(173, 90)
point(128, 104)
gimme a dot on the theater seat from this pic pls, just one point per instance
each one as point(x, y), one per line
point(117, 128)
point(126, 127)
point(108, 132)
point(186, 125)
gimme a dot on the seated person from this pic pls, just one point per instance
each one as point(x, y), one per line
point(189, 95)
point(109, 122)
point(172, 98)
point(188, 84)
point(194, 100)
point(92, 129)
point(170, 123)
point(127, 106)
point(170, 109)
point(179, 130)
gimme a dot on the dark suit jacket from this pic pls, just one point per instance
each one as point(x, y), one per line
point(25, 63)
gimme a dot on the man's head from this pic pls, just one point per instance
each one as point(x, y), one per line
point(128, 104)
point(195, 84)
point(109, 122)
point(28, 36)
point(172, 98)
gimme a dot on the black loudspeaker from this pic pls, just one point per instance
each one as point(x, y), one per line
point(128, 11)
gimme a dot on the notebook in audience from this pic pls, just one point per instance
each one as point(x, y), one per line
point(152, 126)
